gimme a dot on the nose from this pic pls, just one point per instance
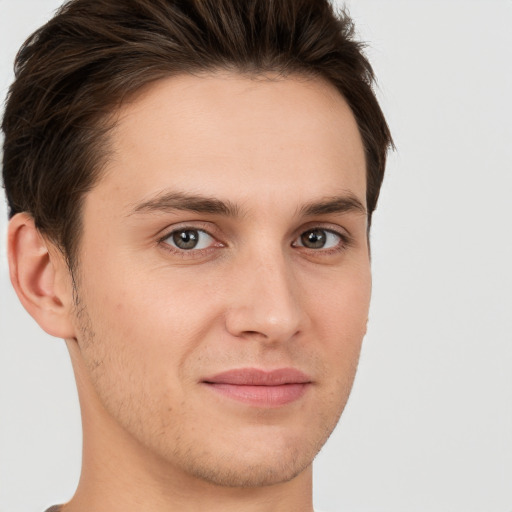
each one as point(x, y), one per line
point(266, 300)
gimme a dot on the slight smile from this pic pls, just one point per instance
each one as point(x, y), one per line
point(261, 388)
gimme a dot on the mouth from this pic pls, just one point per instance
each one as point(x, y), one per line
point(260, 388)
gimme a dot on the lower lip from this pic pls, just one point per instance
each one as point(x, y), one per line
point(261, 396)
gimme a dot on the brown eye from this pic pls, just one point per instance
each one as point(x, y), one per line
point(319, 239)
point(188, 239)
point(314, 239)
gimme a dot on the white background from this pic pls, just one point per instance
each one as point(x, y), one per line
point(429, 424)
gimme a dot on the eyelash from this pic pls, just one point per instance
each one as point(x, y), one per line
point(191, 253)
point(345, 242)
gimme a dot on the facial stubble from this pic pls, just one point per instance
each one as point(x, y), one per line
point(225, 467)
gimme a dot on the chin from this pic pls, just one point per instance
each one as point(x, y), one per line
point(241, 473)
point(267, 459)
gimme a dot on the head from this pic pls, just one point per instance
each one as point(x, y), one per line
point(202, 175)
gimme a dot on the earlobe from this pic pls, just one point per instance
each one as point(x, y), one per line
point(40, 277)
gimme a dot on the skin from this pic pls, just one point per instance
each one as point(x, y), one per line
point(150, 321)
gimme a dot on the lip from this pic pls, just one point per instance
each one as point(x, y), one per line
point(260, 388)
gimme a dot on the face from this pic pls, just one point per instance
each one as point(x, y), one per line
point(224, 277)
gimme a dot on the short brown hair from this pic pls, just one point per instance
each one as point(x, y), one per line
point(81, 65)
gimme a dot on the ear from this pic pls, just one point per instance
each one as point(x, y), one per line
point(40, 277)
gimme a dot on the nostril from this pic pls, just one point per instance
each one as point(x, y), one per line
point(255, 333)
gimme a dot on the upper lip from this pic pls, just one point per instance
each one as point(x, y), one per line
point(258, 377)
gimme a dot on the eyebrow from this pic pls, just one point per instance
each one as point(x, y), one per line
point(335, 204)
point(171, 201)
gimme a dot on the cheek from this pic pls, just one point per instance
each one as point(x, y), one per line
point(340, 316)
point(137, 335)
point(341, 305)
point(155, 318)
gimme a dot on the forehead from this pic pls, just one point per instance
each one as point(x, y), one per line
point(235, 137)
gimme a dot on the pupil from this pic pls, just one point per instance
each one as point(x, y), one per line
point(313, 239)
point(186, 239)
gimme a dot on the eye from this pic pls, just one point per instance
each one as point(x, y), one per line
point(187, 239)
point(318, 239)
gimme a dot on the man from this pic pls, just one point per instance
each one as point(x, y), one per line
point(191, 185)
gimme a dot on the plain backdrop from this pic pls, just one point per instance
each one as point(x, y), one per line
point(429, 424)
